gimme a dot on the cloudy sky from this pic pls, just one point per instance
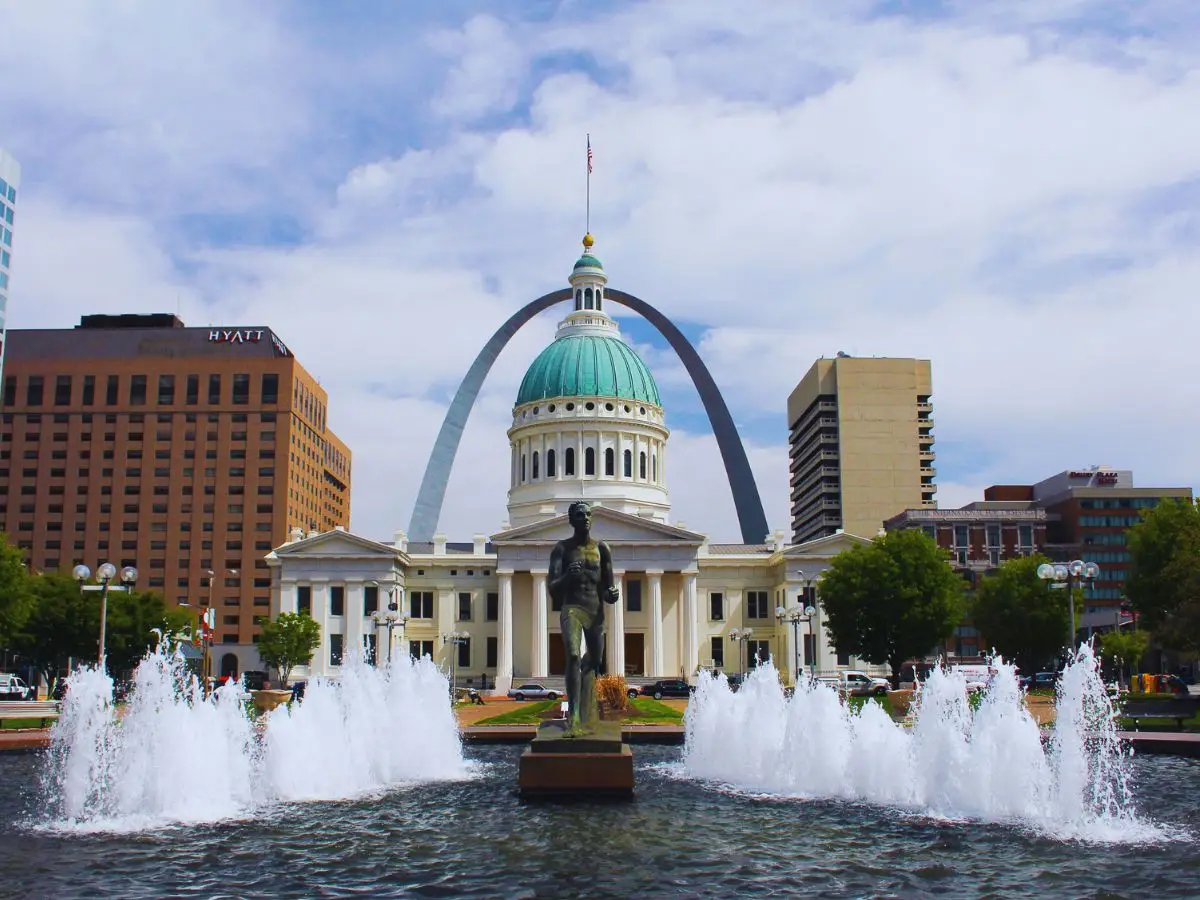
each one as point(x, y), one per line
point(1007, 188)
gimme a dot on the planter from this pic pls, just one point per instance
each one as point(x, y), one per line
point(265, 701)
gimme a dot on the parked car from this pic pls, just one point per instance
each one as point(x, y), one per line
point(668, 687)
point(860, 684)
point(531, 690)
point(13, 687)
point(1042, 680)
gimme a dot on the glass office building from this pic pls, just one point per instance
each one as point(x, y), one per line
point(10, 176)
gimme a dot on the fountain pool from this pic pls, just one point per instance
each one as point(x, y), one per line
point(789, 798)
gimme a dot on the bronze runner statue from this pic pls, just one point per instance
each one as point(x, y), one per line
point(581, 581)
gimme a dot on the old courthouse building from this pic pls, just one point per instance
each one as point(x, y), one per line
point(186, 452)
point(587, 423)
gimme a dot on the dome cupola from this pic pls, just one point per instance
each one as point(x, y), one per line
point(588, 421)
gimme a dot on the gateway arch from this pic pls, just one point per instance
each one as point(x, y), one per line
point(746, 500)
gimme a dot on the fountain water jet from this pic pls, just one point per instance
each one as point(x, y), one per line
point(954, 762)
point(173, 755)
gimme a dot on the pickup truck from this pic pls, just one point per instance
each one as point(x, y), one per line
point(856, 684)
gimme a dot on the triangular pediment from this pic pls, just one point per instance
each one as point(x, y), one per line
point(337, 543)
point(830, 545)
point(607, 525)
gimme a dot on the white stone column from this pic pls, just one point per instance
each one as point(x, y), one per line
point(320, 612)
point(691, 637)
point(353, 620)
point(541, 627)
point(616, 629)
point(654, 576)
point(504, 642)
point(287, 596)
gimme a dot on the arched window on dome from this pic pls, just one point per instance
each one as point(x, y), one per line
point(535, 465)
point(578, 299)
point(628, 463)
point(589, 461)
point(550, 468)
point(569, 461)
point(609, 461)
point(522, 467)
point(599, 298)
point(587, 298)
point(654, 468)
point(642, 465)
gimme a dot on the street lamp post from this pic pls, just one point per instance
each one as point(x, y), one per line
point(456, 638)
point(739, 636)
point(391, 619)
point(1066, 575)
point(105, 573)
point(796, 615)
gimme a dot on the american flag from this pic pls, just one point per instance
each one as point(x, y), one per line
point(589, 143)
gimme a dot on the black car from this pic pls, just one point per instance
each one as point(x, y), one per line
point(668, 687)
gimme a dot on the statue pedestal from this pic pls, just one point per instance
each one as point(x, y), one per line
point(595, 764)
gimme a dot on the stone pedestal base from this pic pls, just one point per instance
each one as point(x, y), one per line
point(596, 764)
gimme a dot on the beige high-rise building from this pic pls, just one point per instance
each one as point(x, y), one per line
point(860, 445)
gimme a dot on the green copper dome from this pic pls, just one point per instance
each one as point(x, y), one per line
point(586, 365)
point(586, 261)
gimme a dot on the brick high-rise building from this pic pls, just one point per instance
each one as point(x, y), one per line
point(860, 445)
point(189, 453)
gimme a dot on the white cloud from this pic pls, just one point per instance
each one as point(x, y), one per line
point(1010, 191)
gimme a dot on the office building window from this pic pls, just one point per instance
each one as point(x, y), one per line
point(718, 651)
point(193, 390)
point(337, 600)
point(241, 389)
point(89, 390)
point(214, 389)
point(137, 390)
point(33, 391)
point(492, 608)
point(304, 600)
point(62, 390)
point(336, 643)
point(464, 607)
point(111, 390)
point(716, 607)
point(756, 605)
point(493, 652)
point(810, 650)
point(633, 595)
point(464, 653)
point(420, 649)
point(270, 387)
point(370, 599)
point(166, 390)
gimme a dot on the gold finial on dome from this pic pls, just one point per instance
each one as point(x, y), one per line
point(588, 241)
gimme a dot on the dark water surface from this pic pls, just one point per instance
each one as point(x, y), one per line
point(678, 838)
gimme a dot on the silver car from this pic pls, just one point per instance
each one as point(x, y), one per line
point(531, 690)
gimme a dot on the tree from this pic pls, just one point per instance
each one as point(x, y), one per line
point(891, 600)
point(1126, 647)
point(288, 642)
point(1164, 573)
point(62, 626)
point(132, 618)
point(1019, 615)
point(15, 597)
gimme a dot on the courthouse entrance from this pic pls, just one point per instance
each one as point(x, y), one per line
point(635, 653)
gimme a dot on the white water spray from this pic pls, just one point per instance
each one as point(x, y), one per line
point(954, 762)
point(173, 755)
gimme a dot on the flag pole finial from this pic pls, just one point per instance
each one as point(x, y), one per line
point(588, 193)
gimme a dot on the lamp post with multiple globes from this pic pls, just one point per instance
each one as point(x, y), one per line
point(1065, 576)
point(105, 573)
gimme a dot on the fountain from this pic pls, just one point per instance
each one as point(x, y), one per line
point(175, 756)
point(363, 788)
point(988, 764)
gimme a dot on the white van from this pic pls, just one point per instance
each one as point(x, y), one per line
point(13, 687)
